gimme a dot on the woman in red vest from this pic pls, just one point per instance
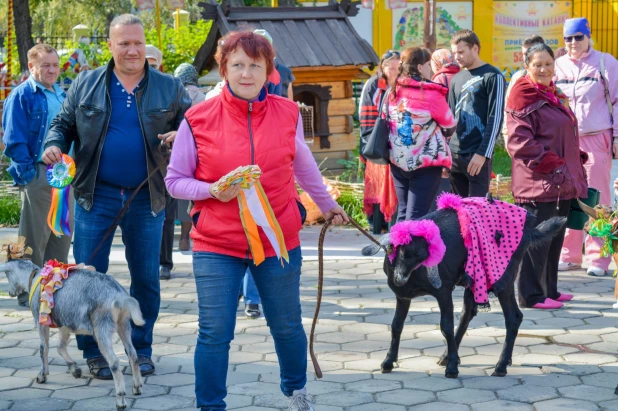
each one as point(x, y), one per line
point(242, 126)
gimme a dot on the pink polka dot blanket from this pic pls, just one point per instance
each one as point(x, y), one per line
point(492, 232)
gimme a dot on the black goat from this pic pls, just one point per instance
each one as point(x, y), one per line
point(408, 280)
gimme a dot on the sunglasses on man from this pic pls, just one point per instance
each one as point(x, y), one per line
point(578, 38)
point(391, 53)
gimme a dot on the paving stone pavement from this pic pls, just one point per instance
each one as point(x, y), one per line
point(563, 359)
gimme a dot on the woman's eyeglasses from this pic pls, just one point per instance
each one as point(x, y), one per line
point(569, 39)
point(391, 53)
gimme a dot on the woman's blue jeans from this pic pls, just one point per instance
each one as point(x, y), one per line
point(218, 278)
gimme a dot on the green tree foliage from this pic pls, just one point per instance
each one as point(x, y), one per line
point(179, 46)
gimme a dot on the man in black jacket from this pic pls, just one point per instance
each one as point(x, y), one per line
point(118, 116)
point(476, 96)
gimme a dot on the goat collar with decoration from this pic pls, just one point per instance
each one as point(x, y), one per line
point(402, 233)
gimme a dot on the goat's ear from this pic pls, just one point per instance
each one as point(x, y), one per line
point(592, 212)
point(434, 277)
point(371, 249)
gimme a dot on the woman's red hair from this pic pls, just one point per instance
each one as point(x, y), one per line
point(255, 46)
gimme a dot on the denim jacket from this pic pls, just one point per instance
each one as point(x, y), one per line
point(25, 125)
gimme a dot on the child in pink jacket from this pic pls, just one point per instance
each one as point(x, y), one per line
point(418, 113)
point(593, 96)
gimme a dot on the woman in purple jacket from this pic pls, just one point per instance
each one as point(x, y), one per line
point(547, 169)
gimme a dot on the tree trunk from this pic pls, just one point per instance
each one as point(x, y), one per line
point(23, 31)
point(108, 20)
point(429, 14)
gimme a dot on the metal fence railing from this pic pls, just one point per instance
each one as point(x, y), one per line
point(57, 42)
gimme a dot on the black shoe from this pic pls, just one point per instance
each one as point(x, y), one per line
point(164, 273)
point(22, 299)
point(252, 311)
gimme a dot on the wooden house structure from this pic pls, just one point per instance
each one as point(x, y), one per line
point(325, 54)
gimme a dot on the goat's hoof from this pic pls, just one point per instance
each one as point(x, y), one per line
point(498, 373)
point(616, 390)
point(76, 372)
point(137, 390)
point(387, 367)
point(451, 374)
point(443, 360)
point(121, 403)
point(41, 378)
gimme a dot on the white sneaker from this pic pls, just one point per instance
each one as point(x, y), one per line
point(300, 401)
point(564, 266)
point(595, 271)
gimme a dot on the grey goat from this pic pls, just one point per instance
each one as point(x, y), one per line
point(88, 303)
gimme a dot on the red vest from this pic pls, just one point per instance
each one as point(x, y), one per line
point(229, 133)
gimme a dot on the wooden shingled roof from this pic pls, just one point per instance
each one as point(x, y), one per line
point(302, 36)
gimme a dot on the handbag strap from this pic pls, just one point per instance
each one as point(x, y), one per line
point(608, 99)
point(383, 99)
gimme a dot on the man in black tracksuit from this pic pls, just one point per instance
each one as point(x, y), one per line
point(476, 96)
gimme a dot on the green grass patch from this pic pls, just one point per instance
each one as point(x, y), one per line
point(352, 203)
point(501, 162)
point(9, 211)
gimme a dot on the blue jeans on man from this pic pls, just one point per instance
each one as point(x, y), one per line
point(249, 290)
point(141, 235)
point(218, 278)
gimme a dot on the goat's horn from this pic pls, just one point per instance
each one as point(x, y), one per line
point(588, 210)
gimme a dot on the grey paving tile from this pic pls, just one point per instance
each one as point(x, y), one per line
point(527, 393)
point(561, 404)
point(439, 405)
point(166, 402)
point(99, 404)
point(344, 398)
point(47, 404)
point(501, 405)
point(466, 396)
point(551, 380)
point(490, 383)
point(433, 383)
point(406, 397)
point(586, 392)
point(81, 393)
point(373, 386)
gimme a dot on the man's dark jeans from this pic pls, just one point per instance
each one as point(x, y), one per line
point(463, 183)
point(141, 235)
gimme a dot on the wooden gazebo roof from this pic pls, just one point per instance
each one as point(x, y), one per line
point(304, 37)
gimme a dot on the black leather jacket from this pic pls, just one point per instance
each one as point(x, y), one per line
point(85, 115)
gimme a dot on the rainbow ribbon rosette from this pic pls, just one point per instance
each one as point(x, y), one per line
point(255, 211)
point(59, 176)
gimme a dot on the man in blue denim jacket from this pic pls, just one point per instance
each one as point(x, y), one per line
point(28, 112)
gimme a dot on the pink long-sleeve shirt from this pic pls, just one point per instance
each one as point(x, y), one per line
point(182, 184)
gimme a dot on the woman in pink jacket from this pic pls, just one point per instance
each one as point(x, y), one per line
point(589, 79)
point(418, 112)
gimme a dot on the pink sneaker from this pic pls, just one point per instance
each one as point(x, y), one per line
point(564, 297)
point(548, 304)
